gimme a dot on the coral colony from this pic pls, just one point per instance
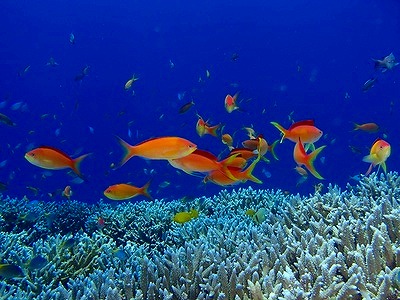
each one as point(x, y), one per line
point(245, 244)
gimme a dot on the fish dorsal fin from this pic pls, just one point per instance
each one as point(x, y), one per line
point(205, 154)
point(154, 138)
point(56, 150)
point(302, 123)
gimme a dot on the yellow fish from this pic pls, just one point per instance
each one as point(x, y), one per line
point(185, 216)
point(379, 153)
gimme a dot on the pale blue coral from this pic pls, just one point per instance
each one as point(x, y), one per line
point(331, 246)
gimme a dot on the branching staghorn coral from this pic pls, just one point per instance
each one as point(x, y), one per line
point(337, 245)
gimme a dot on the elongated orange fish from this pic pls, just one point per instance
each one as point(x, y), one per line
point(230, 102)
point(125, 191)
point(201, 161)
point(198, 161)
point(302, 158)
point(169, 147)
point(379, 153)
point(54, 159)
point(305, 130)
point(368, 127)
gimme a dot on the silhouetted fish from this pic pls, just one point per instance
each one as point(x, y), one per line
point(6, 120)
point(369, 84)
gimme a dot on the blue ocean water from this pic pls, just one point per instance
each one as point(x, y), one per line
point(296, 60)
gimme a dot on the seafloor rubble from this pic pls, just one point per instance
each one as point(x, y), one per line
point(337, 245)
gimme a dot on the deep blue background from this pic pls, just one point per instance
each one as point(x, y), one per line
point(294, 56)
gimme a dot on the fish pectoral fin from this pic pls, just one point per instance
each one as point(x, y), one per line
point(370, 158)
point(384, 167)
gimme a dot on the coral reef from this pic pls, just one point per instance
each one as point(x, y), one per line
point(336, 245)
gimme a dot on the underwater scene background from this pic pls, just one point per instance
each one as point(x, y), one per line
point(76, 75)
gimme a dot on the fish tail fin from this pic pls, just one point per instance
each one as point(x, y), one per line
point(272, 149)
point(356, 126)
point(249, 171)
point(76, 163)
point(128, 151)
point(214, 130)
point(194, 213)
point(144, 190)
point(310, 162)
point(281, 129)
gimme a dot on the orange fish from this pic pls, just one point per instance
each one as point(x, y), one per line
point(198, 161)
point(202, 128)
point(202, 162)
point(262, 144)
point(220, 178)
point(305, 130)
point(379, 153)
point(368, 127)
point(227, 140)
point(54, 159)
point(67, 192)
point(169, 147)
point(125, 191)
point(302, 158)
point(230, 102)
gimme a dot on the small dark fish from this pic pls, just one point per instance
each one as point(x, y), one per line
point(37, 263)
point(6, 120)
point(235, 57)
point(355, 149)
point(10, 271)
point(83, 73)
point(369, 84)
point(34, 190)
point(184, 108)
